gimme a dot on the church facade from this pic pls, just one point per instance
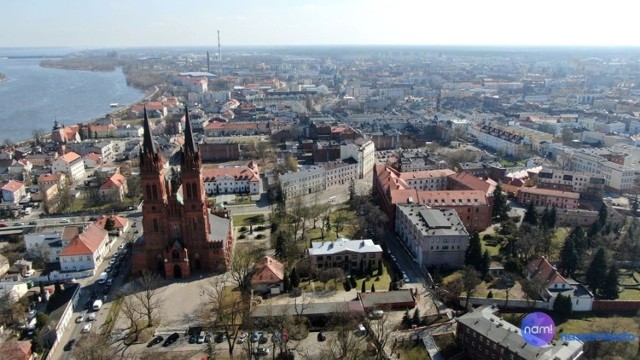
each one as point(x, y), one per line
point(181, 234)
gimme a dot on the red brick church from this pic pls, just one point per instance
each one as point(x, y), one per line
point(181, 233)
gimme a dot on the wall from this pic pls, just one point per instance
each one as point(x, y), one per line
point(615, 305)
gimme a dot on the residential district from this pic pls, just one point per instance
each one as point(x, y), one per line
point(383, 203)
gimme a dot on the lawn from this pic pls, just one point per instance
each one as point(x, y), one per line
point(248, 219)
point(589, 324)
point(348, 227)
point(381, 285)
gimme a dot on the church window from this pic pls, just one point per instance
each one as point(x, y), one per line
point(155, 192)
point(175, 255)
point(155, 225)
point(195, 224)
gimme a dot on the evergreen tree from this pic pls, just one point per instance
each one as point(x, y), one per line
point(610, 287)
point(380, 268)
point(110, 224)
point(569, 259)
point(490, 295)
point(347, 285)
point(500, 206)
point(544, 218)
point(486, 263)
point(603, 215)
point(373, 287)
point(406, 320)
point(579, 238)
point(417, 319)
point(473, 254)
point(531, 215)
point(553, 218)
point(294, 278)
point(286, 283)
point(562, 305)
point(597, 272)
point(364, 287)
point(352, 189)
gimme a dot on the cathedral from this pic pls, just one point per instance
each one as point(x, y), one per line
point(181, 233)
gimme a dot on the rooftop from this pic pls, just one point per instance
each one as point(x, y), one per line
point(342, 244)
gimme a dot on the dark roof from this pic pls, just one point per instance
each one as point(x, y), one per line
point(370, 300)
point(326, 308)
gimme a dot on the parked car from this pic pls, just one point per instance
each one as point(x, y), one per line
point(261, 351)
point(121, 247)
point(255, 337)
point(321, 336)
point(65, 221)
point(207, 338)
point(171, 339)
point(201, 337)
point(80, 317)
point(263, 339)
point(242, 338)
point(92, 316)
point(69, 345)
point(376, 314)
point(155, 340)
point(220, 337)
point(193, 338)
point(87, 328)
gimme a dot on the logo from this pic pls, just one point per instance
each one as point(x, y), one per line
point(538, 329)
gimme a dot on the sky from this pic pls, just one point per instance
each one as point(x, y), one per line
point(151, 23)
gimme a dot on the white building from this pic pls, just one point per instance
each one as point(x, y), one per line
point(232, 180)
point(435, 237)
point(13, 191)
point(340, 172)
point(616, 176)
point(348, 255)
point(581, 297)
point(361, 150)
point(70, 164)
point(569, 180)
point(303, 182)
point(128, 130)
point(13, 290)
point(427, 179)
point(50, 242)
point(86, 250)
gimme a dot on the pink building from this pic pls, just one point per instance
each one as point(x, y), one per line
point(549, 197)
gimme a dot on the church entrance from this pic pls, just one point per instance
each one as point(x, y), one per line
point(177, 272)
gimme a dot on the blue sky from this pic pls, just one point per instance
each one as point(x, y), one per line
point(133, 23)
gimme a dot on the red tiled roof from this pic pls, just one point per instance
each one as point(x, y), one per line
point(69, 232)
point(118, 221)
point(13, 186)
point(426, 174)
point(542, 269)
point(69, 157)
point(49, 177)
point(86, 243)
point(115, 181)
point(439, 198)
point(472, 183)
point(239, 173)
point(93, 156)
point(16, 350)
point(268, 271)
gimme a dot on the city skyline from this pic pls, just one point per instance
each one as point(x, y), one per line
point(146, 23)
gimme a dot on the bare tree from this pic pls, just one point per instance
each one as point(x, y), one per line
point(339, 221)
point(93, 346)
point(223, 310)
point(38, 135)
point(470, 279)
point(40, 253)
point(381, 330)
point(134, 313)
point(263, 149)
point(242, 268)
point(149, 297)
point(346, 344)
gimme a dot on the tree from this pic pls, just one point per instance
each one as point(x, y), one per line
point(486, 264)
point(603, 215)
point(149, 297)
point(553, 218)
point(563, 305)
point(490, 295)
point(364, 287)
point(381, 330)
point(597, 272)
point(223, 311)
point(579, 239)
point(610, 286)
point(346, 344)
point(132, 310)
point(500, 207)
point(93, 346)
point(292, 164)
point(416, 319)
point(473, 254)
point(134, 187)
point(531, 215)
point(569, 259)
point(40, 254)
point(470, 280)
point(352, 189)
point(406, 319)
point(110, 224)
point(242, 268)
point(532, 288)
point(286, 283)
point(295, 279)
point(373, 287)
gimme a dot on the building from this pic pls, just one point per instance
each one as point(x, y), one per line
point(86, 250)
point(434, 237)
point(50, 185)
point(114, 189)
point(70, 164)
point(349, 255)
point(547, 197)
point(232, 180)
point(362, 151)
point(427, 179)
point(303, 182)
point(616, 176)
point(17, 350)
point(565, 180)
point(48, 242)
point(484, 336)
point(511, 140)
point(268, 274)
point(92, 160)
point(554, 284)
point(340, 172)
point(120, 224)
point(13, 192)
point(4, 265)
point(219, 150)
point(181, 233)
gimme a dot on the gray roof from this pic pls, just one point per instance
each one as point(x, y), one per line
point(219, 227)
point(324, 308)
point(342, 244)
point(433, 221)
point(381, 298)
point(483, 321)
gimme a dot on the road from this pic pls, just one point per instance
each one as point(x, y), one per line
point(88, 285)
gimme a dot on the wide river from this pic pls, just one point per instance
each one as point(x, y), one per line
point(33, 97)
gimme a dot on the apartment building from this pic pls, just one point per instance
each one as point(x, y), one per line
point(548, 197)
point(435, 237)
point(70, 164)
point(565, 180)
point(361, 150)
point(427, 179)
point(86, 250)
point(617, 177)
point(348, 255)
point(303, 182)
point(510, 140)
point(484, 336)
point(340, 172)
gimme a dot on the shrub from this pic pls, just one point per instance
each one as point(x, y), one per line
point(260, 236)
point(490, 295)
point(243, 229)
point(347, 286)
point(260, 228)
point(242, 236)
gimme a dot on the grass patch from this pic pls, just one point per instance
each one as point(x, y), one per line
point(415, 352)
point(112, 316)
point(447, 344)
point(588, 324)
point(629, 294)
point(493, 250)
point(248, 219)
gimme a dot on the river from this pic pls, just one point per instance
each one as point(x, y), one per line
point(33, 97)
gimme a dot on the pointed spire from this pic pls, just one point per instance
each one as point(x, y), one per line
point(147, 143)
point(189, 144)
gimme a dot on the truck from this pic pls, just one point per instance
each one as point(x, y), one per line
point(97, 305)
point(103, 277)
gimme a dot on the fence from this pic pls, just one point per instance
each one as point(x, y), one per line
point(62, 276)
point(512, 304)
point(616, 305)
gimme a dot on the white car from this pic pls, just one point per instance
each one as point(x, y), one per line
point(80, 318)
point(92, 316)
point(65, 221)
point(87, 328)
point(121, 247)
